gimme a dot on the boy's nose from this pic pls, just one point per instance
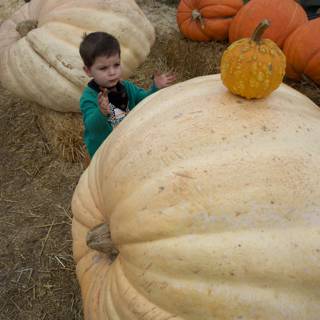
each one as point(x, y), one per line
point(112, 70)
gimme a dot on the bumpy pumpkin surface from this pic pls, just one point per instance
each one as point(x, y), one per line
point(285, 16)
point(205, 20)
point(213, 202)
point(302, 49)
point(41, 62)
point(251, 67)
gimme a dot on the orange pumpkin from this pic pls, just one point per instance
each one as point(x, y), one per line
point(302, 49)
point(205, 20)
point(284, 16)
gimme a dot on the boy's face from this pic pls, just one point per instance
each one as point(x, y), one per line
point(106, 71)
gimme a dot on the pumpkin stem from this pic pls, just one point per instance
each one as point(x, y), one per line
point(99, 239)
point(197, 15)
point(260, 29)
point(24, 27)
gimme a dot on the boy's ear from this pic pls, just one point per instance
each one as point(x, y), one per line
point(87, 71)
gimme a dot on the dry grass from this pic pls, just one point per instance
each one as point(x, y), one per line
point(63, 131)
point(186, 58)
point(36, 268)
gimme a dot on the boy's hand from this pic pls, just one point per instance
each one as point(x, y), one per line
point(103, 102)
point(163, 80)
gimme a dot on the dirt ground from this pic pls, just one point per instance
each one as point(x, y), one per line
point(37, 273)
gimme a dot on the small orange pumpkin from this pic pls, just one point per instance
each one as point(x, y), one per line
point(205, 20)
point(302, 49)
point(284, 17)
point(251, 67)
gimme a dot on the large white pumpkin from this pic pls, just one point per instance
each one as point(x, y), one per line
point(213, 202)
point(44, 66)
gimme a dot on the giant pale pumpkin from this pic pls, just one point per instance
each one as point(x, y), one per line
point(213, 203)
point(39, 59)
point(205, 20)
point(302, 49)
point(284, 16)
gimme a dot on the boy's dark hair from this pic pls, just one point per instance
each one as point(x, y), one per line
point(97, 44)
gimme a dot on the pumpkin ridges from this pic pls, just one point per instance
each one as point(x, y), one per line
point(256, 274)
point(182, 214)
point(194, 31)
point(91, 297)
point(187, 4)
point(313, 68)
point(217, 28)
point(218, 11)
point(86, 215)
point(302, 49)
point(284, 16)
point(205, 27)
point(301, 63)
point(290, 25)
point(227, 3)
point(291, 71)
point(183, 17)
point(127, 302)
point(80, 248)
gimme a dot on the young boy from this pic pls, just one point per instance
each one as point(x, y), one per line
point(107, 99)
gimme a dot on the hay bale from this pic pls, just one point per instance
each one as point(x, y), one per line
point(63, 132)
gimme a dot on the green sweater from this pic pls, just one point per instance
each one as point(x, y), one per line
point(96, 126)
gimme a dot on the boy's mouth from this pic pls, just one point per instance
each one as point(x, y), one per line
point(112, 83)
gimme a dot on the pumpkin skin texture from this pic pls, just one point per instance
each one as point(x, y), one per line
point(213, 202)
point(284, 16)
point(302, 49)
point(205, 20)
point(44, 66)
point(251, 67)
